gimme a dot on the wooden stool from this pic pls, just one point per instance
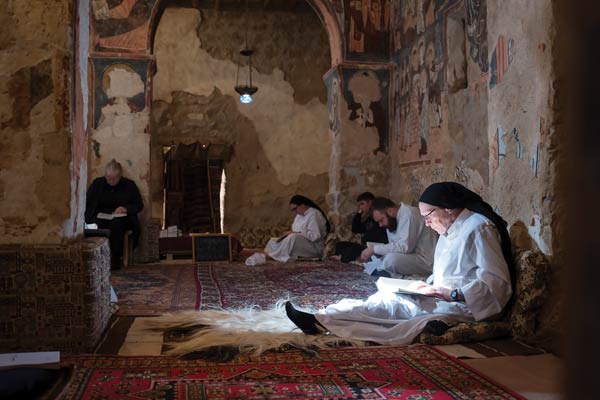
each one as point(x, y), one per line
point(127, 249)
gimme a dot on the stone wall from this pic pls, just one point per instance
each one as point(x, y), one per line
point(520, 129)
point(280, 143)
point(38, 193)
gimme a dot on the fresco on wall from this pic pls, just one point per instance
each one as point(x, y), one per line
point(366, 92)
point(332, 81)
point(507, 146)
point(501, 58)
point(366, 29)
point(119, 86)
point(476, 11)
point(121, 24)
point(420, 43)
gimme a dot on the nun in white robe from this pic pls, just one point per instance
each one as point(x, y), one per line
point(307, 236)
point(473, 255)
point(468, 257)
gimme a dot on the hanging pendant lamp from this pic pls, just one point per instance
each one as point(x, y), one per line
point(245, 90)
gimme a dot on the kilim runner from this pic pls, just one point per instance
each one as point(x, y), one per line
point(412, 372)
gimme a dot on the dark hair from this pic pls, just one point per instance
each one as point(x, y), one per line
point(381, 204)
point(300, 200)
point(454, 195)
point(366, 196)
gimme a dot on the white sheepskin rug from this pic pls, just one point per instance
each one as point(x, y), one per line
point(252, 331)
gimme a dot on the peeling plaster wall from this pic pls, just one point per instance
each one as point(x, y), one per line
point(280, 142)
point(520, 112)
point(35, 151)
point(359, 126)
point(122, 116)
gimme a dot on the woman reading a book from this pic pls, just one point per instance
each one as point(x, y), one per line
point(113, 202)
point(472, 278)
point(307, 236)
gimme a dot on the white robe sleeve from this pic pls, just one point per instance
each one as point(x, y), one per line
point(487, 295)
point(312, 226)
point(405, 239)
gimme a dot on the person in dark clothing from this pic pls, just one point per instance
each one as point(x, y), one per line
point(113, 195)
point(363, 224)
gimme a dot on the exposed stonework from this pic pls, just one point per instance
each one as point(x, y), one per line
point(254, 197)
point(280, 146)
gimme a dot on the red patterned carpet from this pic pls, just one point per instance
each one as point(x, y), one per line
point(155, 289)
point(417, 373)
point(311, 284)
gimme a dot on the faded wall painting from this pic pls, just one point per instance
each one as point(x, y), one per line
point(121, 24)
point(366, 29)
point(332, 81)
point(476, 12)
point(421, 54)
point(366, 92)
point(119, 86)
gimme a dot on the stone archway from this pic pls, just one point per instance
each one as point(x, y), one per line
point(208, 94)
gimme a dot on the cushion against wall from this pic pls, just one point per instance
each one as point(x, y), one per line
point(533, 272)
point(256, 237)
point(520, 320)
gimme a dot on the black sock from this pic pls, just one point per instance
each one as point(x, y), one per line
point(305, 321)
point(382, 272)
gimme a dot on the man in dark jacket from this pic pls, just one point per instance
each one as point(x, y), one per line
point(113, 203)
point(363, 224)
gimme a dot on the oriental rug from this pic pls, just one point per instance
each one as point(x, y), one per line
point(155, 289)
point(310, 284)
point(412, 372)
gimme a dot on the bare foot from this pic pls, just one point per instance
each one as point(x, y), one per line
point(335, 258)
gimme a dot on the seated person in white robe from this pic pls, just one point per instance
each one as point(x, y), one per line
point(472, 280)
point(410, 246)
point(307, 236)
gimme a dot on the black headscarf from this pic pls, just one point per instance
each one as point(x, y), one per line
point(454, 195)
point(301, 200)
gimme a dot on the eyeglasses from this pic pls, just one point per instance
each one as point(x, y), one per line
point(428, 215)
point(292, 209)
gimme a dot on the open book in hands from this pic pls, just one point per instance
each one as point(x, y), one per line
point(403, 286)
point(108, 216)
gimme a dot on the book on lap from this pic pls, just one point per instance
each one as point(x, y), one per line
point(401, 286)
point(108, 216)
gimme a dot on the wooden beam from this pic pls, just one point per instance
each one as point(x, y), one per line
point(217, 5)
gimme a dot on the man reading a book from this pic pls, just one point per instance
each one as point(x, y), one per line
point(410, 246)
point(473, 277)
point(113, 203)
